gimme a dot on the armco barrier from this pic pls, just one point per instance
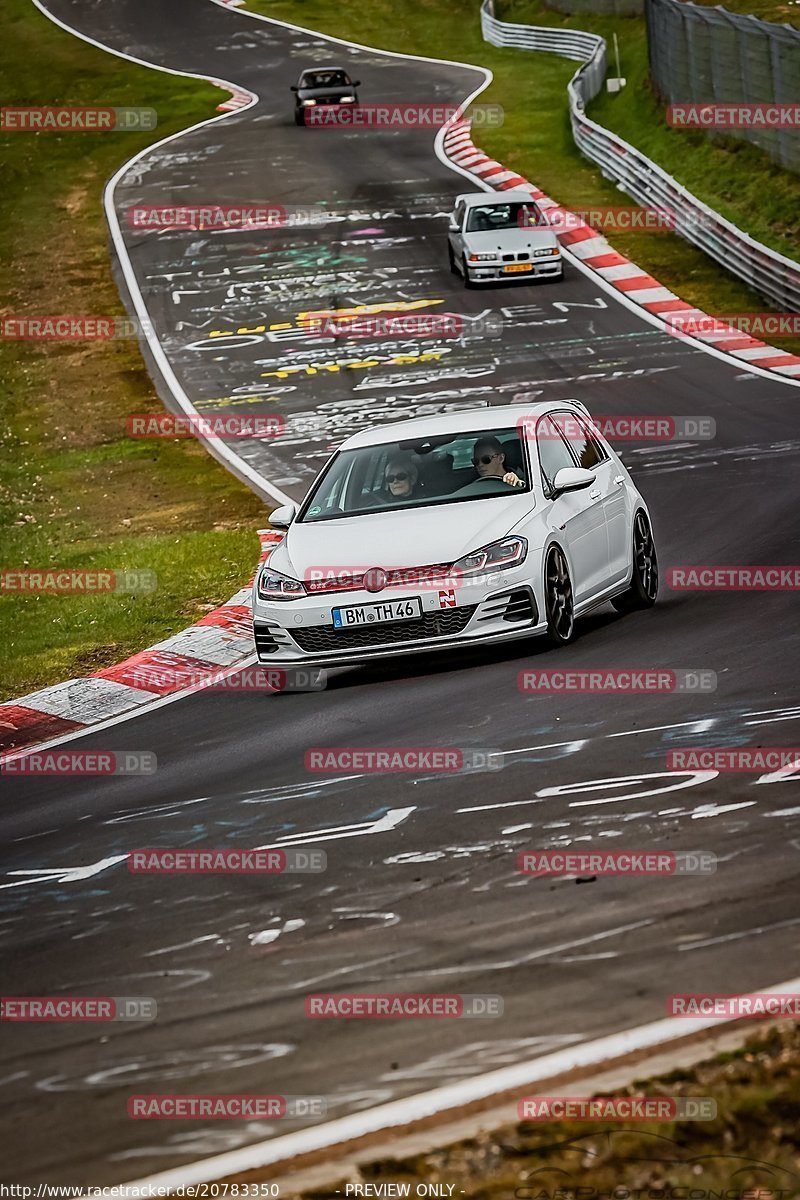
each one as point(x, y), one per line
point(774, 276)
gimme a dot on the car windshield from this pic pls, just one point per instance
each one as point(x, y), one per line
point(503, 216)
point(419, 472)
point(324, 79)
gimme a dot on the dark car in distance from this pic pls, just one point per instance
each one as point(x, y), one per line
point(323, 85)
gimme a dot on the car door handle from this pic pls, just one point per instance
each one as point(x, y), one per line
point(619, 480)
point(595, 494)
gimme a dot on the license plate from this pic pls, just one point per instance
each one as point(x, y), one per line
point(517, 268)
point(388, 611)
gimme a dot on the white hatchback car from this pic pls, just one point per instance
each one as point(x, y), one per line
point(459, 530)
point(497, 237)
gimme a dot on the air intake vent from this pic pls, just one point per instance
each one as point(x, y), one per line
point(319, 639)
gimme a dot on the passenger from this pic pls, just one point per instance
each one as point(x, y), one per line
point(401, 478)
point(488, 459)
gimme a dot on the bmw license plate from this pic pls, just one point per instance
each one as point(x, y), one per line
point(371, 614)
point(517, 268)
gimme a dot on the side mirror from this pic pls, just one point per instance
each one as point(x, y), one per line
point(293, 88)
point(282, 517)
point(356, 83)
point(453, 225)
point(571, 479)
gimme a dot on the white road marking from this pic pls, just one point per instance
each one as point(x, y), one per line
point(742, 933)
point(451, 1098)
point(208, 937)
point(716, 810)
point(546, 953)
point(64, 874)
point(699, 726)
point(390, 820)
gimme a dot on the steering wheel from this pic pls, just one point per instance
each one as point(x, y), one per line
point(491, 479)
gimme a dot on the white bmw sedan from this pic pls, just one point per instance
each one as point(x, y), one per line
point(499, 237)
point(460, 530)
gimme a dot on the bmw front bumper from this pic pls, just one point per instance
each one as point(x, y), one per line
point(494, 272)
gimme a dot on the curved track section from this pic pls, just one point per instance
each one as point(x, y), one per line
point(421, 891)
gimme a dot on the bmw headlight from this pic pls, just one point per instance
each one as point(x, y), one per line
point(307, 103)
point(546, 253)
point(482, 257)
point(509, 552)
point(347, 100)
point(274, 586)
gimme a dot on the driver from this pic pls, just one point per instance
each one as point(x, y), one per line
point(488, 459)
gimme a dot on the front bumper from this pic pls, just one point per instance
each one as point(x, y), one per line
point(302, 631)
point(494, 272)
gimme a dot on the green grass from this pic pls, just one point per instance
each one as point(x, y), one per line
point(735, 178)
point(781, 12)
point(535, 138)
point(74, 490)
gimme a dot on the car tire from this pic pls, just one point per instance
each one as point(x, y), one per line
point(451, 259)
point(558, 598)
point(467, 281)
point(299, 117)
point(643, 588)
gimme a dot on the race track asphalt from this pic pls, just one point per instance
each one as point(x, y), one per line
point(421, 891)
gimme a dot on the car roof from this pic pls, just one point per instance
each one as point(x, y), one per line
point(315, 70)
point(463, 421)
point(470, 198)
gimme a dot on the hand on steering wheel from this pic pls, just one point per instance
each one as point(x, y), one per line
point(510, 479)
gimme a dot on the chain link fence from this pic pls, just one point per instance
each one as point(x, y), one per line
point(773, 275)
point(707, 55)
point(614, 8)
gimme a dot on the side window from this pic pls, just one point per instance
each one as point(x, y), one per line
point(553, 452)
point(585, 446)
point(460, 214)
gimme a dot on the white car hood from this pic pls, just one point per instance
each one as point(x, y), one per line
point(509, 240)
point(401, 538)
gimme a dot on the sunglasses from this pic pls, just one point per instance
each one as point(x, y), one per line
point(484, 459)
point(400, 477)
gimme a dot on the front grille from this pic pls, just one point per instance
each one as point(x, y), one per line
point(508, 258)
point(320, 638)
point(341, 581)
point(523, 257)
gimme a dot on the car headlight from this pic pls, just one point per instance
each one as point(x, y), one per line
point(482, 257)
point(307, 103)
point(509, 552)
point(274, 586)
point(546, 253)
point(347, 100)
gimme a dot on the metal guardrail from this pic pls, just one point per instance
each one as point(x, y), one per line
point(772, 275)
